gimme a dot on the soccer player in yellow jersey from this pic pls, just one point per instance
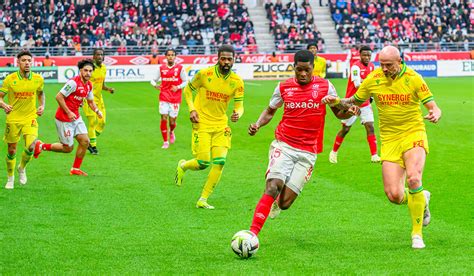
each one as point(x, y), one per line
point(320, 63)
point(398, 91)
point(96, 124)
point(214, 87)
point(22, 88)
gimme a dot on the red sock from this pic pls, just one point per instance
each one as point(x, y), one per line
point(372, 143)
point(77, 163)
point(337, 143)
point(46, 147)
point(164, 130)
point(172, 126)
point(261, 213)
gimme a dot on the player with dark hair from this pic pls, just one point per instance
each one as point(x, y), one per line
point(298, 136)
point(96, 124)
point(214, 87)
point(69, 123)
point(173, 79)
point(320, 63)
point(359, 71)
point(22, 89)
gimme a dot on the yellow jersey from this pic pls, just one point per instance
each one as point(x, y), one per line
point(319, 68)
point(398, 101)
point(98, 78)
point(22, 94)
point(213, 94)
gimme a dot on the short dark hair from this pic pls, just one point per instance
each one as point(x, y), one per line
point(312, 44)
point(304, 56)
point(364, 48)
point(170, 49)
point(85, 62)
point(24, 53)
point(96, 50)
point(225, 48)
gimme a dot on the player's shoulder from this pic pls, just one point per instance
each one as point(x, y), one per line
point(410, 72)
point(36, 76)
point(375, 75)
point(235, 77)
point(11, 77)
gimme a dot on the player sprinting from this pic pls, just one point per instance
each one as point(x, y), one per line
point(173, 79)
point(22, 88)
point(359, 71)
point(215, 87)
point(398, 91)
point(96, 124)
point(298, 137)
point(320, 63)
point(69, 123)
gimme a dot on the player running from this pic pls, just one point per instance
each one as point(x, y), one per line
point(298, 137)
point(398, 91)
point(22, 88)
point(96, 124)
point(69, 123)
point(214, 86)
point(359, 71)
point(173, 80)
point(320, 63)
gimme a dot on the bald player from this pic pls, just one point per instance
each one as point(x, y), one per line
point(398, 91)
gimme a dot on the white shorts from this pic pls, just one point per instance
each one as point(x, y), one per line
point(67, 131)
point(292, 165)
point(366, 116)
point(170, 109)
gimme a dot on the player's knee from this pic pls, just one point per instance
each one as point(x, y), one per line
point(285, 205)
point(67, 149)
point(369, 127)
point(272, 188)
point(394, 196)
point(414, 180)
point(203, 164)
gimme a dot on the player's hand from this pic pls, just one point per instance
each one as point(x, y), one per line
point(253, 129)
point(354, 110)
point(433, 115)
point(174, 88)
point(40, 110)
point(99, 114)
point(8, 108)
point(158, 86)
point(331, 100)
point(235, 117)
point(71, 116)
point(194, 117)
point(111, 90)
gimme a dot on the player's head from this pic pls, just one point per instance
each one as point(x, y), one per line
point(313, 48)
point(86, 66)
point(25, 60)
point(365, 54)
point(390, 61)
point(98, 56)
point(225, 56)
point(304, 62)
point(170, 56)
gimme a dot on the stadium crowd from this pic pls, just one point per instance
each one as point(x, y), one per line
point(431, 23)
point(158, 24)
point(292, 24)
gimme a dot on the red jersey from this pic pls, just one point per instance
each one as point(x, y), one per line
point(74, 92)
point(357, 74)
point(171, 76)
point(354, 56)
point(302, 124)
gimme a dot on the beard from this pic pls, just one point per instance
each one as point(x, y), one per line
point(225, 69)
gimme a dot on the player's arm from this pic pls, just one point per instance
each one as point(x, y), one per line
point(3, 91)
point(355, 75)
point(41, 99)
point(340, 111)
point(68, 89)
point(107, 88)
point(184, 78)
point(191, 88)
point(423, 92)
point(238, 110)
point(267, 115)
point(156, 80)
point(92, 105)
point(324, 68)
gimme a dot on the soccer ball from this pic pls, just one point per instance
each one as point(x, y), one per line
point(245, 244)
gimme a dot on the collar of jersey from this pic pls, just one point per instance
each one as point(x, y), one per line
point(404, 69)
point(20, 77)
point(219, 75)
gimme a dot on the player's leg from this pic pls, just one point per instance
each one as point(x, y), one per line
point(394, 182)
point(80, 132)
point(367, 119)
point(346, 127)
point(219, 155)
point(11, 137)
point(201, 148)
point(164, 130)
point(91, 127)
point(26, 156)
point(99, 101)
point(172, 120)
point(65, 132)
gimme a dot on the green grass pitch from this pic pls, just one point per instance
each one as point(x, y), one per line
point(128, 217)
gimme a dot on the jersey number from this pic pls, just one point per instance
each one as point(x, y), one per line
point(420, 143)
point(67, 133)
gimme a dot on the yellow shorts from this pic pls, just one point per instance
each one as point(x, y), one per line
point(393, 151)
point(14, 131)
point(203, 141)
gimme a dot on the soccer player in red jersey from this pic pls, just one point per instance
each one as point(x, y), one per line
point(353, 56)
point(299, 136)
point(173, 80)
point(359, 71)
point(69, 123)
